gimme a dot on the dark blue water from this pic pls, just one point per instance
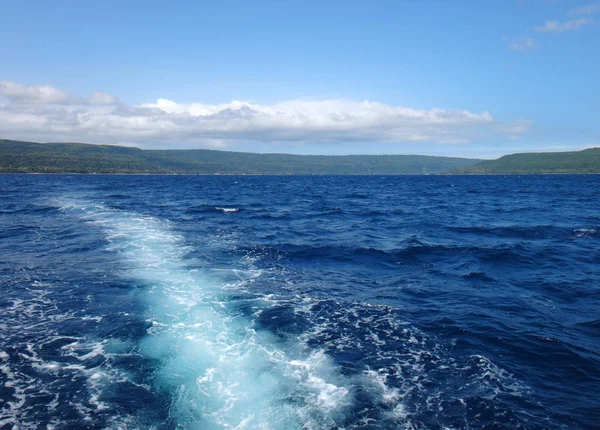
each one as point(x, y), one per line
point(209, 302)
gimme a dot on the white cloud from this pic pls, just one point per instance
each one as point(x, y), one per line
point(99, 98)
point(47, 95)
point(560, 27)
point(523, 45)
point(35, 94)
point(54, 115)
point(589, 9)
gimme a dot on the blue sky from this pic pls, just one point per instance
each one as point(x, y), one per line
point(468, 78)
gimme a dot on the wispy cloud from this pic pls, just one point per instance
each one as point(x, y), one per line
point(580, 17)
point(523, 45)
point(47, 113)
point(589, 9)
point(562, 26)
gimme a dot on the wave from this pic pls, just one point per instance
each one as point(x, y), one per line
point(519, 232)
point(207, 209)
point(414, 250)
point(585, 232)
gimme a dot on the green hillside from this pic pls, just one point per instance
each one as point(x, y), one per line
point(586, 161)
point(30, 157)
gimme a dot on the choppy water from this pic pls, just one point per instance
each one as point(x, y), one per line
point(299, 302)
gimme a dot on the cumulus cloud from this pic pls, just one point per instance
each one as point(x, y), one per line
point(166, 123)
point(560, 27)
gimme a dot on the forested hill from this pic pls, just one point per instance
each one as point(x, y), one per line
point(30, 157)
point(586, 161)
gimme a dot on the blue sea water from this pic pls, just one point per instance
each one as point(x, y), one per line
point(256, 302)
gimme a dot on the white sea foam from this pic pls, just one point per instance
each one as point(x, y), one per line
point(584, 232)
point(220, 370)
point(36, 384)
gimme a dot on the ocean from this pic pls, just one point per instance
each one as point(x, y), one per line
point(302, 302)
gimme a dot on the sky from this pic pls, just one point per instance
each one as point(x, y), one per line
point(437, 77)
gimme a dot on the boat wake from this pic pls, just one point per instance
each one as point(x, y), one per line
point(218, 366)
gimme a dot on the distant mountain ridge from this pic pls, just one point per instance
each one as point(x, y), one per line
point(31, 157)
